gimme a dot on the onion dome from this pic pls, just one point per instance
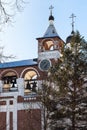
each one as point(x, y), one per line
point(69, 38)
point(51, 18)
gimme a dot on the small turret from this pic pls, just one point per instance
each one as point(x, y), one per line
point(51, 17)
point(51, 31)
point(69, 38)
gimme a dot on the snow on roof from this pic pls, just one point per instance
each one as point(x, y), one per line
point(28, 62)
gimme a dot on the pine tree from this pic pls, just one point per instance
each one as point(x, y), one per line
point(47, 95)
point(69, 78)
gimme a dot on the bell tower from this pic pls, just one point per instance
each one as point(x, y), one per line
point(50, 45)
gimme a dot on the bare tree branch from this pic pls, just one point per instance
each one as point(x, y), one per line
point(3, 57)
point(8, 9)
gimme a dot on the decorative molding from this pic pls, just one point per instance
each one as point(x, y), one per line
point(21, 106)
point(49, 55)
point(8, 70)
point(29, 68)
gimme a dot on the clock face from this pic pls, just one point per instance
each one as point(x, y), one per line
point(44, 65)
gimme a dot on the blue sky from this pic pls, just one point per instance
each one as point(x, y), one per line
point(19, 38)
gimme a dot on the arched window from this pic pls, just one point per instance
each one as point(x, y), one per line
point(30, 78)
point(48, 45)
point(9, 80)
point(31, 74)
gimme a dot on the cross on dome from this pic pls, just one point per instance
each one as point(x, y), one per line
point(51, 17)
point(72, 17)
point(51, 8)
